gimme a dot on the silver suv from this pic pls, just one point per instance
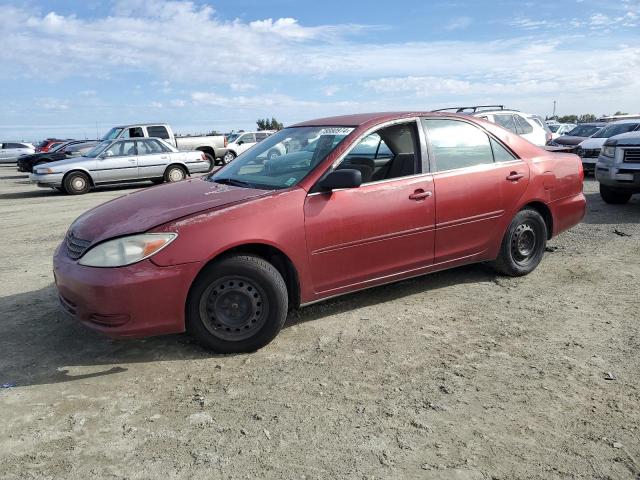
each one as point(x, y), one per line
point(618, 168)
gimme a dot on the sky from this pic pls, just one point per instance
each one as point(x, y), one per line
point(76, 68)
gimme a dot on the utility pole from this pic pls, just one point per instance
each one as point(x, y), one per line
point(98, 136)
point(554, 109)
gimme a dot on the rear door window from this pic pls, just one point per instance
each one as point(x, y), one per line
point(524, 127)
point(456, 144)
point(507, 121)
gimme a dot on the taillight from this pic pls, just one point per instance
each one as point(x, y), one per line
point(581, 171)
point(225, 142)
point(548, 137)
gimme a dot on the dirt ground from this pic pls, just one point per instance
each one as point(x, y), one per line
point(457, 375)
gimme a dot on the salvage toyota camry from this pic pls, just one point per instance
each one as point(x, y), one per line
point(319, 209)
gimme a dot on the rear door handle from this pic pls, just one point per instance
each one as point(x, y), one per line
point(419, 195)
point(515, 176)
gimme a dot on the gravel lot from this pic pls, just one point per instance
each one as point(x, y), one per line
point(456, 375)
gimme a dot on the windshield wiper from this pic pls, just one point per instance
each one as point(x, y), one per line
point(234, 182)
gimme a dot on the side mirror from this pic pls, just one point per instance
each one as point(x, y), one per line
point(240, 142)
point(344, 178)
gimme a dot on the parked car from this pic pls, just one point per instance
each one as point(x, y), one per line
point(120, 161)
point(46, 145)
point(618, 168)
point(213, 146)
point(589, 149)
point(244, 142)
point(578, 134)
point(529, 126)
point(224, 256)
point(74, 148)
point(560, 129)
point(11, 151)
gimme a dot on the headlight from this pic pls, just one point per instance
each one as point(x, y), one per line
point(126, 250)
point(43, 171)
point(609, 151)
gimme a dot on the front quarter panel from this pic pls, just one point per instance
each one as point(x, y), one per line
point(276, 220)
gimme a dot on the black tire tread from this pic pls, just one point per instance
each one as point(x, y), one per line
point(614, 197)
point(67, 182)
point(266, 334)
point(504, 263)
point(168, 169)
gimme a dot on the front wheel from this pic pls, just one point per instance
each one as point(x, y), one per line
point(76, 183)
point(523, 245)
point(228, 157)
point(613, 196)
point(237, 304)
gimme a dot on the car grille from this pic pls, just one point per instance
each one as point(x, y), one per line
point(589, 152)
point(76, 246)
point(632, 156)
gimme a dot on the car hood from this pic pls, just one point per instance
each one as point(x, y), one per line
point(625, 139)
point(65, 163)
point(591, 143)
point(569, 140)
point(143, 210)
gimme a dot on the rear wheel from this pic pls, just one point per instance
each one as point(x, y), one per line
point(613, 196)
point(237, 304)
point(523, 244)
point(212, 161)
point(76, 183)
point(174, 173)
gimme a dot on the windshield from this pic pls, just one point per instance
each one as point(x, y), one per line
point(611, 130)
point(232, 136)
point(58, 147)
point(112, 134)
point(554, 128)
point(584, 130)
point(97, 150)
point(283, 159)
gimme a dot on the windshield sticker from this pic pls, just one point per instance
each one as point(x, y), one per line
point(335, 131)
point(290, 182)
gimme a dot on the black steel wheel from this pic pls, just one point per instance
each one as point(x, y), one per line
point(523, 244)
point(237, 304)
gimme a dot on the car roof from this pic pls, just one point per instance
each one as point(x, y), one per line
point(621, 122)
point(358, 119)
point(128, 125)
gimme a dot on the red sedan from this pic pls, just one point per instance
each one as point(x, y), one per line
point(319, 209)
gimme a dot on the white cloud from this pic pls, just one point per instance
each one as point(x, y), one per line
point(459, 23)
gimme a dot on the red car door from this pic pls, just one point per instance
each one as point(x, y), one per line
point(384, 227)
point(477, 183)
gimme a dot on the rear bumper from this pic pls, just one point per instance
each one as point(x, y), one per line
point(134, 301)
point(198, 167)
point(567, 212)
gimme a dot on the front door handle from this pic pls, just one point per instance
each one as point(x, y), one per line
point(420, 195)
point(515, 176)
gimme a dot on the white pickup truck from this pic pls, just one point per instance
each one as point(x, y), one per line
point(213, 146)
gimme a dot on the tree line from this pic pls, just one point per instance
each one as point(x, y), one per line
point(589, 117)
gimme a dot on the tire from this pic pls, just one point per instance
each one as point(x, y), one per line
point(76, 183)
point(174, 173)
point(613, 196)
point(228, 157)
point(211, 160)
point(237, 304)
point(523, 244)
